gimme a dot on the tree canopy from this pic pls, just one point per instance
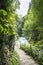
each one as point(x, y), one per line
point(33, 27)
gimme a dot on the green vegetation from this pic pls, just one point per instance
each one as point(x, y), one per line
point(36, 51)
point(30, 26)
point(14, 60)
point(7, 29)
point(33, 26)
point(33, 30)
point(19, 25)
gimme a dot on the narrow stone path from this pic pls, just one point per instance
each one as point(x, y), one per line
point(25, 59)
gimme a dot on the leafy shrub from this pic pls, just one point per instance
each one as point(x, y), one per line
point(14, 60)
point(26, 48)
point(36, 51)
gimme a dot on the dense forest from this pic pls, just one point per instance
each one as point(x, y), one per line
point(13, 26)
point(33, 26)
point(33, 31)
point(7, 30)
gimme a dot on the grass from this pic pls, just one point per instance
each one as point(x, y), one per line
point(36, 51)
point(14, 60)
